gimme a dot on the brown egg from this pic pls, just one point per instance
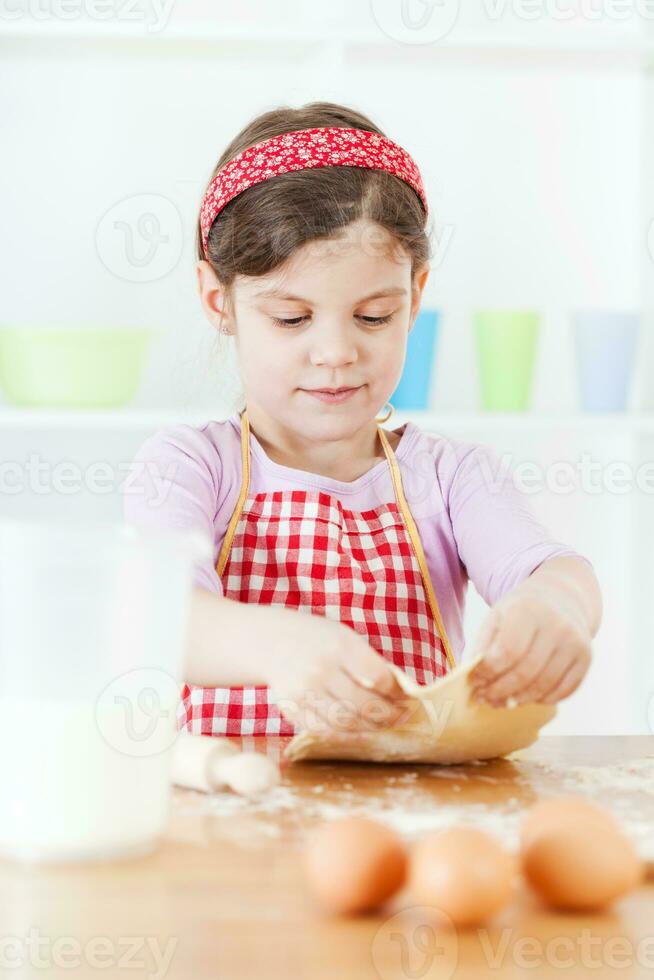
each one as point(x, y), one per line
point(574, 863)
point(561, 810)
point(355, 864)
point(463, 872)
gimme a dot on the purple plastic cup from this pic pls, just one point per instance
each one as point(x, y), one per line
point(605, 346)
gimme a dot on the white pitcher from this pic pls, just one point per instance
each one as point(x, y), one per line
point(92, 628)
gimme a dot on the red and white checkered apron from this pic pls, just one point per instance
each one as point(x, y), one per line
point(304, 550)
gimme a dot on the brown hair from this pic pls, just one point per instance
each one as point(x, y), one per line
point(261, 228)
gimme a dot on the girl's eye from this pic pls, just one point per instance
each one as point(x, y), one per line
point(297, 320)
point(376, 319)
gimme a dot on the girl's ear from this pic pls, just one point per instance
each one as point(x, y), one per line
point(212, 296)
point(419, 281)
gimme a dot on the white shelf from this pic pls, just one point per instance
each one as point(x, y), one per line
point(129, 418)
point(527, 421)
point(272, 35)
point(607, 44)
point(197, 32)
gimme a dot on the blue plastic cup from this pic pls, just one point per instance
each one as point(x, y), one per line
point(606, 353)
point(414, 387)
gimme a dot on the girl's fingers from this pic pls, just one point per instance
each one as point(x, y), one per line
point(371, 673)
point(522, 673)
point(486, 635)
point(297, 714)
point(338, 715)
point(549, 678)
point(341, 712)
point(568, 683)
point(567, 649)
point(322, 715)
point(510, 645)
point(326, 718)
point(370, 710)
point(312, 709)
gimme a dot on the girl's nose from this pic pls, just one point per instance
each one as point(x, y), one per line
point(333, 345)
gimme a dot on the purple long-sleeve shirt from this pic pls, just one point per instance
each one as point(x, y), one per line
point(473, 522)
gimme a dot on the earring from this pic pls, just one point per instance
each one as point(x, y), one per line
point(388, 414)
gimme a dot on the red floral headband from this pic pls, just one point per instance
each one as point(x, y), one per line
point(304, 149)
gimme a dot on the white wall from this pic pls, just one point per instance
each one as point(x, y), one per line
point(532, 173)
point(533, 160)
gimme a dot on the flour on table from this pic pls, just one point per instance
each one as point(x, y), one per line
point(406, 803)
point(632, 777)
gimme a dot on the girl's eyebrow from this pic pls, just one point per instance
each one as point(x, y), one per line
point(276, 294)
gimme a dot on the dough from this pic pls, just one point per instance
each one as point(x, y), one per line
point(446, 726)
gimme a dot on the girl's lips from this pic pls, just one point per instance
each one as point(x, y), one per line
point(332, 398)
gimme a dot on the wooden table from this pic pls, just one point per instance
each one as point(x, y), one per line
point(223, 896)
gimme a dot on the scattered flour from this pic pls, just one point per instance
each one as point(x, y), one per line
point(625, 781)
point(408, 804)
point(409, 817)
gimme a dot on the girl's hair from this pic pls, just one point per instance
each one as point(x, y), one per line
point(261, 228)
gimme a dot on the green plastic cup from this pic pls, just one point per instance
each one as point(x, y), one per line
point(72, 367)
point(506, 346)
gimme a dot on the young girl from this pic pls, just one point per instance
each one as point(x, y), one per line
point(340, 546)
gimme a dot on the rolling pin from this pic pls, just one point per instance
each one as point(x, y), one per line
point(208, 763)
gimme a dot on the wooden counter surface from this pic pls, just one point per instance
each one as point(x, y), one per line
point(223, 895)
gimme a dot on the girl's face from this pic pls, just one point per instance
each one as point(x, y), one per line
point(336, 315)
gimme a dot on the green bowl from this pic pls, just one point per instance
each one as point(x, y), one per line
point(72, 367)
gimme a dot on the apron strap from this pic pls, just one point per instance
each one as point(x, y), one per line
point(245, 486)
point(417, 545)
point(401, 499)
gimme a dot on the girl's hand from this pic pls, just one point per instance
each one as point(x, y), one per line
point(535, 647)
point(326, 677)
